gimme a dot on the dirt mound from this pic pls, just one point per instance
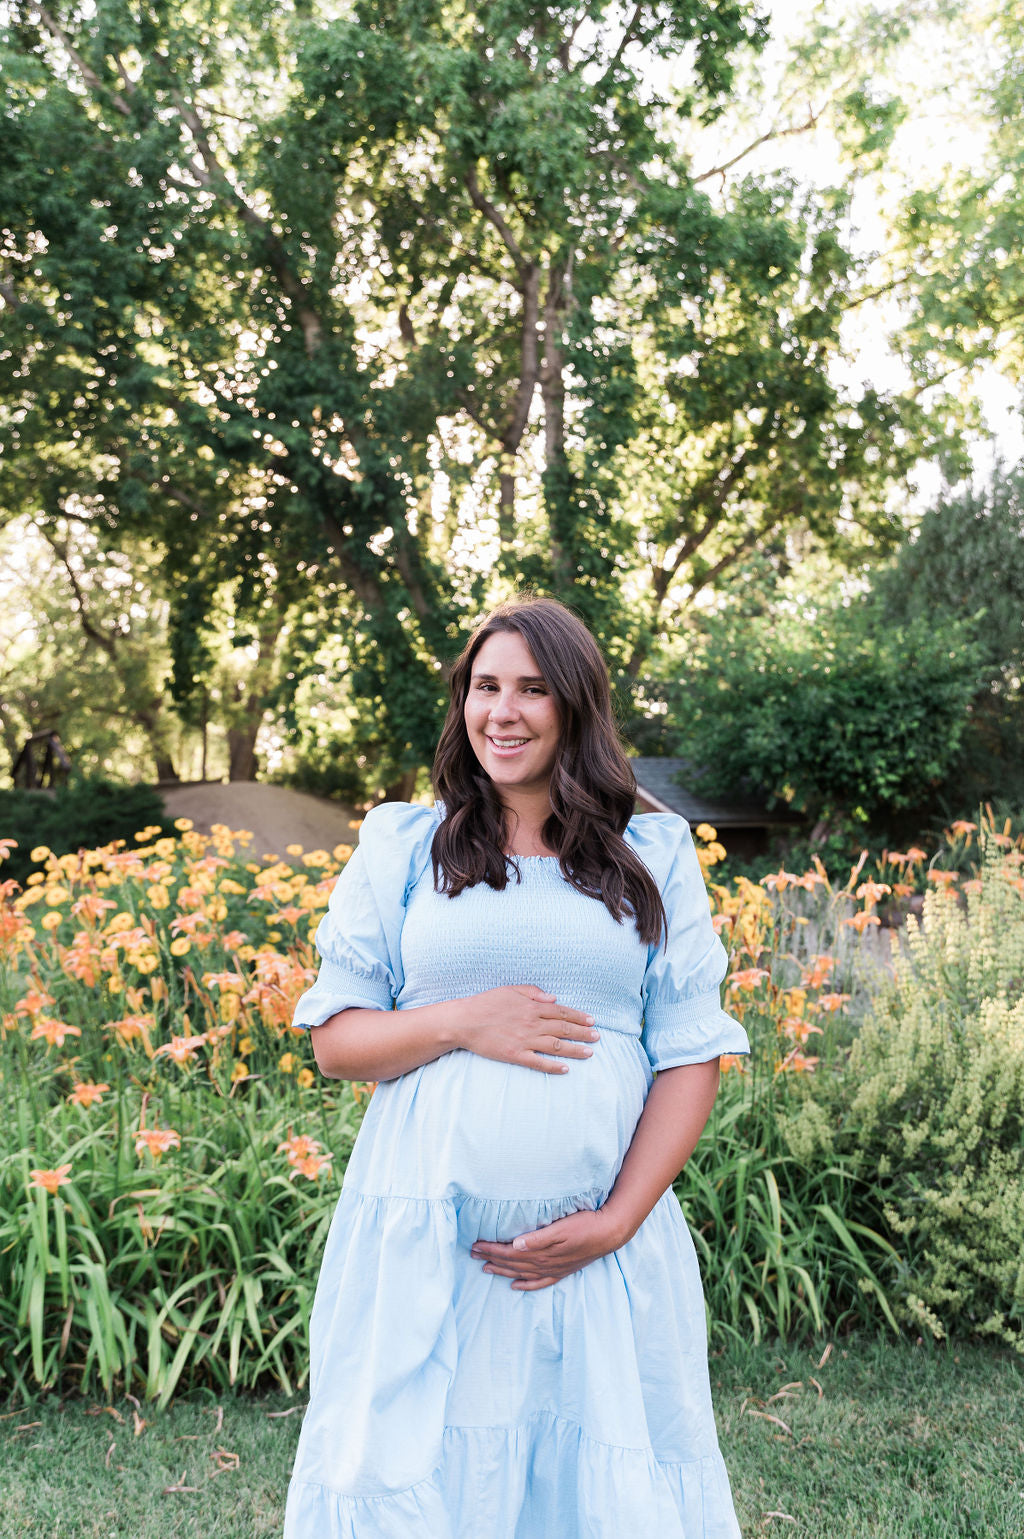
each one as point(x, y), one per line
point(275, 815)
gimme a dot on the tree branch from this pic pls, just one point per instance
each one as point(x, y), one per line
point(529, 364)
point(86, 71)
point(811, 121)
point(214, 177)
point(496, 219)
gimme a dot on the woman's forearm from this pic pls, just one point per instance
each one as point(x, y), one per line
point(677, 1109)
point(382, 1044)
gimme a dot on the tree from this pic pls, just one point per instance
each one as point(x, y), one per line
point(964, 563)
point(342, 307)
point(83, 650)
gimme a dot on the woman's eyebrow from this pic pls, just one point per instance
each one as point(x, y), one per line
point(532, 678)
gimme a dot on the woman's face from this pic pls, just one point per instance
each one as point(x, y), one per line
point(511, 717)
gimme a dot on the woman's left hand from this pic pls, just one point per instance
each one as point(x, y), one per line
point(544, 1256)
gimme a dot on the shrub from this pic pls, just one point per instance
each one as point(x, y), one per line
point(929, 1110)
point(80, 816)
point(836, 710)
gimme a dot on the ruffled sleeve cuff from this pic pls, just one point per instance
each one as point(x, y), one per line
point(678, 1032)
point(336, 988)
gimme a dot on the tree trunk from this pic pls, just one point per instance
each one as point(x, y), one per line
point(242, 760)
point(401, 789)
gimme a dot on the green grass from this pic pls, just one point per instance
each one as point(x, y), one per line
point(902, 1442)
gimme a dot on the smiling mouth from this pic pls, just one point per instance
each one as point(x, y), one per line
point(508, 745)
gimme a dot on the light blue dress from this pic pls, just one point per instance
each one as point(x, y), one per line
point(445, 1405)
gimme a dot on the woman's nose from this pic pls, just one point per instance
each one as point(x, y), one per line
point(503, 708)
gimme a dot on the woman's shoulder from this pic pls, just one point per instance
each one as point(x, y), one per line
point(397, 827)
point(387, 819)
point(394, 844)
point(657, 838)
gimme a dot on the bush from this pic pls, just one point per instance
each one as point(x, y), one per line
point(838, 711)
point(929, 1111)
point(80, 816)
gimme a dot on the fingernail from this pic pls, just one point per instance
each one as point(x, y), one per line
point(519, 1244)
point(588, 1052)
point(594, 1036)
point(590, 1020)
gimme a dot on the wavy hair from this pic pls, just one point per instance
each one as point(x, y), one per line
point(593, 788)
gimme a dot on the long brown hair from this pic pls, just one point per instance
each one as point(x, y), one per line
point(593, 789)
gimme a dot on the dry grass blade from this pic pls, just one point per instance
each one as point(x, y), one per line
point(767, 1416)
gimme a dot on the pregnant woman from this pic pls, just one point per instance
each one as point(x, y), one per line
point(508, 1337)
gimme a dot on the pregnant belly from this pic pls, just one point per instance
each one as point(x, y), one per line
point(469, 1126)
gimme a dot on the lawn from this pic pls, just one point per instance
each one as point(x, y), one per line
point(869, 1437)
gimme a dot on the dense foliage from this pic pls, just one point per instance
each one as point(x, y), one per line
point(78, 816)
point(929, 1111)
point(361, 313)
point(830, 705)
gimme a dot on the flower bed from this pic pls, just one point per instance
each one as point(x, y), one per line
point(172, 1157)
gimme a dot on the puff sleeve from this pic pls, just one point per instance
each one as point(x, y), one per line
point(359, 938)
point(683, 1017)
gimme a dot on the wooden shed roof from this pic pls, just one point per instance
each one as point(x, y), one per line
point(657, 785)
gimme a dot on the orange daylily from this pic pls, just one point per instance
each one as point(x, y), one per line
point(872, 891)
point(54, 1032)
point(312, 1166)
point(181, 1049)
point(157, 1141)
point(817, 971)
point(50, 1180)
point(944, 878)
point(299, 1147)
point(860, 922)
point(748, 978)
point(33, 1002)
point(87, 1093)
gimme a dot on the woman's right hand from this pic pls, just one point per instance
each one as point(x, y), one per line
point(523, 1025)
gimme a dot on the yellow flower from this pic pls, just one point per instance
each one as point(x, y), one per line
point(245, 1045)
point(29, 896)
point(181, 946)
point(158, 896)
point(217, 909)
point(293, 849)
point(183, 825)
point(230, 886)
point(286, 1063)
point(40, 852)
point(34, 878)
point(50, 1180)
point(230, 1007)
point(165, 848)
point(706, 832)
point(239, 1070)
point(305, 1078)
point(55, 896)
point(342, 852)
point(51, 920)
point(120, 922)
point(273, 935)
point(146, 962)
